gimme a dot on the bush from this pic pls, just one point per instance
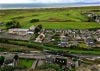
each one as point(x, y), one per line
point(38, 29)
point(52, 66)
point(34, 20)
point(13, 24)
point(21, 67)
point(7, 68)
point(2, 58)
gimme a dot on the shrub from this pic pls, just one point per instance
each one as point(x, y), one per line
point(34, 20)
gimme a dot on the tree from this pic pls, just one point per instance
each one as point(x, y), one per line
point(2, 58)
point(40, 26)
point(52, 66)
point(7, 68)
point(16, 57)
point(3, 40)
point(17, 25)
point(38, 29)
point(34, 20)
point(13, 24)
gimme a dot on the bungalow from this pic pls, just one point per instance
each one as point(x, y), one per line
point(18, 31)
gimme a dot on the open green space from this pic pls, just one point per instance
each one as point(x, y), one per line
point(68, 25)
point(70, 18)
point(25, 63)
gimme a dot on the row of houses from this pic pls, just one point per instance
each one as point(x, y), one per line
point(93, 17)
point(67, 38)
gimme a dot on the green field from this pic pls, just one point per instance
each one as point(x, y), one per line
point(68, 25)
point(74, 17)
point(27, 63)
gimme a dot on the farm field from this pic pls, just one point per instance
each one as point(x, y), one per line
point(70, 18)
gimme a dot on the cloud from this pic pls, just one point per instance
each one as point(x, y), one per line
point(48, 1)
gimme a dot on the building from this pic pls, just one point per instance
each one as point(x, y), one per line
point(18, 31)
point(9, 62)
point(32, 28)
point(40, 38)
point(0, 30)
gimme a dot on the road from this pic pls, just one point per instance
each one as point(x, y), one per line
point(34, 64)
point(40, 55)
point(41, 58)
point(24, 55)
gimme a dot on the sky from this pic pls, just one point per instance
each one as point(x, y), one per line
point(48, 1)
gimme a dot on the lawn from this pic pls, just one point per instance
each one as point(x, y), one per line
point(82, 45)
point(27, 63)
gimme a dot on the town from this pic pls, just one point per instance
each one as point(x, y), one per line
point(57, 37)
point(39, 48)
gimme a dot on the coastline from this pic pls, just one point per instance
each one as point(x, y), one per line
point(73, 6)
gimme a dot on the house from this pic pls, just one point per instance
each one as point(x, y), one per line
point(90, 42)
point(18, 31)
point(9, 62)
point(40, 38)
point(63, 41)
point(0, 30)
point(32, 28)
point(89, 14)
point(97, 20)
point(77, 37)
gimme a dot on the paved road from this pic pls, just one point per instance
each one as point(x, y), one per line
point(24, 55)
point(43, 56)
point(40, 57)
point(34, 64)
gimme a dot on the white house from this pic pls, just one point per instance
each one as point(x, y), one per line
point(18, 31)
point(32, 28)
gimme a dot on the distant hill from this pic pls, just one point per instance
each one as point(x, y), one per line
point(87, 3)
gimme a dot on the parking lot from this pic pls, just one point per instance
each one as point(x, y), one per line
point(14, 36)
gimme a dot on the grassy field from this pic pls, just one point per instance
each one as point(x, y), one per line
point(68, 25)
point(25, 63)
point(73, 16)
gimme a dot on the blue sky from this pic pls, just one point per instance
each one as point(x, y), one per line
point(48, 1)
